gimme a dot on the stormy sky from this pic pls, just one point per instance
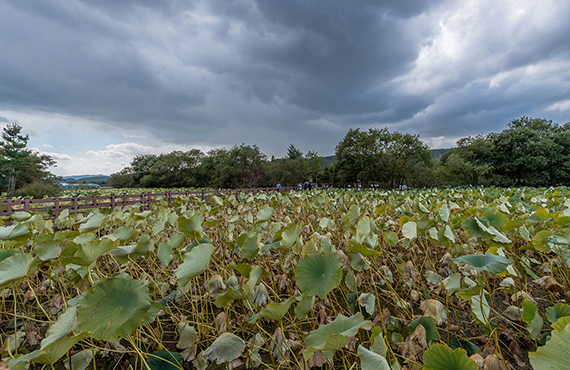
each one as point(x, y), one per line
point(96, 82)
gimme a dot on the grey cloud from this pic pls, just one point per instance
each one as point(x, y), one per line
point(275, 72)
point(4, 119)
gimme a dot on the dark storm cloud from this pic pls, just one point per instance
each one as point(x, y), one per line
point(275, 72)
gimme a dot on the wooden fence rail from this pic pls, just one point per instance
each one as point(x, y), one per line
point(58, 204)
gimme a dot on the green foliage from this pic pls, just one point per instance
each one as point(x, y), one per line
point(441, 357)
point(380, 157)
point(38, 190)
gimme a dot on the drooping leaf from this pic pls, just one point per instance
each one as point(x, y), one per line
point(14, 232)
point(125, 233)
point(441, 357)
point(50, 354)
point(62, 328)
point(335, 335)
point(81, 360)
point(195, 262)
point(227, 347)
point(318, 274)
point(304, 306)
point(532, 318)
point(265, 214)
point(15, 267)
point(94, 222)
point(165, 360)
point(371, 361)
point(273, 311)
point(113, 308)
point(429, 325)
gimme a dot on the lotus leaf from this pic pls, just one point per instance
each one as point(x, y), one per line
point(485, 262)
point(125, 233)
point(81, 360)
point(17, 266)
point(318, 274)
point(410, 230)
point(227, 347)
point(273, 311)
point(14, 232)
point(92, 222)
point(304, 306)
point(371, 361)
point(557, 311)
point(441, 357)
point(429, 325)
point(265, 214)
point(195, 262)
point(555, 354)
point(532, 318)
point(335, 335)
point(192, 227)
point(113, 308)
point(50, 354)
point(165, 360)
point(62, 328)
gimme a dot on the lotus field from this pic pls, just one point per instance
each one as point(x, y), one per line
point(433, 279)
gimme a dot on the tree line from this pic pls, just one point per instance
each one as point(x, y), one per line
point(528, 152)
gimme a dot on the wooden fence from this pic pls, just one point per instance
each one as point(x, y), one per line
point(58, 204)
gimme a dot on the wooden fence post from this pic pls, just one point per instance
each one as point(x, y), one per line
point(112, 201)
point(75, 203)
point(203, 194)
point(9, 206)
point(26, 204)
point(56, 207)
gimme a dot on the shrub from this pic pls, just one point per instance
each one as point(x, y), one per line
point(38, 190)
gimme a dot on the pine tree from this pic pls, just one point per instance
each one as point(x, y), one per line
point(14, 154)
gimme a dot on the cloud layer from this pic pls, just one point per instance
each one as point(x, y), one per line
point(218, 73)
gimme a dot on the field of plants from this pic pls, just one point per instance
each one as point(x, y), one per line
point(434, 279)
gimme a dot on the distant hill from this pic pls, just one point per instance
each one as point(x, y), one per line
point(86, 178)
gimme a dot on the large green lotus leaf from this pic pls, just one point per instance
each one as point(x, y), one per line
point(410, 230)
point(14, 232)
point(145, 245)
point(288, 236)
point(227, 347)
point(476, 228)
point(47, 248)
point(17, 266)
point(318, 274)
point(265, 214)
point(94, 222)
point(90, 252)
point(125, 253)
point(250, 243)
point(497, 220)
point(192, 227)
point(485, 262)
point(555, 355)
point(176, 240)
point(441, 357)
point(113, 309)
point(125, 233)
point(195, 262)
point(273, 311)
point(164, 360)
point(216, 201)
point(62, 328)
point(335, 335)
point(371, 361)
point(532, 318)
point(557, 311)
point(50, 354)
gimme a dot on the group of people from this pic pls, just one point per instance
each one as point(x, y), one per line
point(308, 185)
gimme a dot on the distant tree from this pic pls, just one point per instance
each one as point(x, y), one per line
point(293, 152)
point(529, 152)
point(18, 164)
point(314, 166)
point(242, 166)
point(379, 157)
